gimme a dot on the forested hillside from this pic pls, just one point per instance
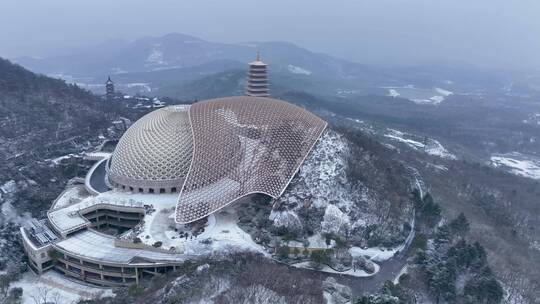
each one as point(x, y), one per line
point(43, 118)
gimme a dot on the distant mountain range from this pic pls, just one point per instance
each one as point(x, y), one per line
point(164, 64)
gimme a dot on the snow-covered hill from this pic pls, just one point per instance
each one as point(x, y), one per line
point(325, 200)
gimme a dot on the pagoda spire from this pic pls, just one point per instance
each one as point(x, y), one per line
point(257, 78)
point(109, 89)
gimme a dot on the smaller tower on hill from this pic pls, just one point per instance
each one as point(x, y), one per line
point(257, 80)
point(109, 88)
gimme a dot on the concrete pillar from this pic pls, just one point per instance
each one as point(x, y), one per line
point(136, 276)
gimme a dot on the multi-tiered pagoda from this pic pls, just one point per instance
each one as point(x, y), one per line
point(257, 82)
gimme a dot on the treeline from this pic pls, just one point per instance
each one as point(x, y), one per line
point(445, 268)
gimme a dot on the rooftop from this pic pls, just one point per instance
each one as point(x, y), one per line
point(100, 247)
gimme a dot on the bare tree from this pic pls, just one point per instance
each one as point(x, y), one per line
point(45, 295)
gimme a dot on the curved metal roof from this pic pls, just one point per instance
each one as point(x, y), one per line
point(243, 145)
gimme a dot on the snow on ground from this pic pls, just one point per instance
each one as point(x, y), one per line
point(156, 56)
point(443, 92)
point(9, 187)
point(362, 125)
point(285, 218)
point(518, 164)
point(59, 160)
point(533, 119)
point(437, 167)
point(433, 96)
point(318, 241)
point(51, 287)
point(435, 148)
point(224, 235)
point(431, 147)
point(328, 297)
point(403, 271)
point(221, 230)
point(334, 221)
point(322, 176)
point(97, 155)
point(375, 254)
point(398, 136)
point(70, 196)
point(393, 93)
point(226, 232)
point(345, 92)
point(298, 70)
point(351, 272)
point(143, 86)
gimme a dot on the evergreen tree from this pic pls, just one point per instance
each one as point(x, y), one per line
point(442, 282)
point(483, 289)
point(430, 210)
point(443, 236)
point(460, 225)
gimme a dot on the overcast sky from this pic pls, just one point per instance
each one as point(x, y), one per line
point(488, 33)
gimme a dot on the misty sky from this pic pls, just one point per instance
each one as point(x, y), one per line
point(488, 33)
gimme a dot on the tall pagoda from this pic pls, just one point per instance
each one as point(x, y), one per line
point(109, 89)
point(257, 80)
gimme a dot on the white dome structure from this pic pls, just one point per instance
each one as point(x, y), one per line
point(154, 154)
point(214, 152)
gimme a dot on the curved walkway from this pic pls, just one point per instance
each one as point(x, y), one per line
point(95, 179)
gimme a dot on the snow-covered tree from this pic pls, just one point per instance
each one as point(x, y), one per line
point(335, 222)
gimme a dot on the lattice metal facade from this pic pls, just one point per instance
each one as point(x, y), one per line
point(155, 153)
point(243, 145)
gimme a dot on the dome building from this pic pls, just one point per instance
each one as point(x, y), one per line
point(214, 152)
point(154, 154)
point(174, 166)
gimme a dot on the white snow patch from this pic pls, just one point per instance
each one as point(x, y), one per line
point(533, 119)
point(59, 160)
point(286, 218)
point(432, 147)
point(376, 254)
point(140, 85)
point(225, 236)
point(56, 289)
point(432, 96)
point(298, 70)
point(351, 272)
point(70, 196)
point(444, 92)
point(221, 232)
point(393, 93)
point(156, 56)
point(335, 221)
point(318, 241)
point(322, 176)
point(435, 148)
point(518, 164)
point(400, 273)
point(9, 187)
